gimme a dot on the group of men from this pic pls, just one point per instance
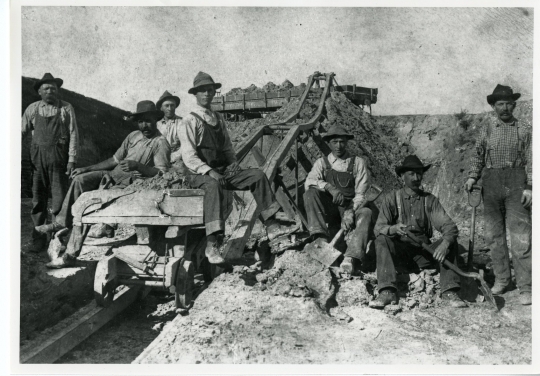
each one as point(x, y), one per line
point(335, 188)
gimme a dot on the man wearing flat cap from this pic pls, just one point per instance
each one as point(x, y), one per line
point(208, 153)
point(503, 159)
point(52, 126)
point(335, 192)
point(143, 153)
point(170, 125)
point(410, 208)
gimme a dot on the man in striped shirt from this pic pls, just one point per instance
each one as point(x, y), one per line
point(503, 159)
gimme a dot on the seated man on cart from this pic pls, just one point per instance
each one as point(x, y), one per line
point(208, 153)
point(142, 154)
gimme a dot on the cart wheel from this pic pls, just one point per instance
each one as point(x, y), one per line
point(105, 281)
point(184, 285)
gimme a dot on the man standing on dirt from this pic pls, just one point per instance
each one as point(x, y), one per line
point(504, 160)
point(52, 126)
point(170, 125)
point(410, 208)
point(335, 192)
point(143, 153)
point(208, 153)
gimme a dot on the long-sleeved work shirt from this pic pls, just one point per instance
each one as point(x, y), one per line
point(67, 116)
point(502, 148)
point(170, 129)
point(191, 134)
point(317, 179)
point(152, 152)
point(423, 211)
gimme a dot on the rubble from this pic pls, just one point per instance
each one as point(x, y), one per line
point(270, 86)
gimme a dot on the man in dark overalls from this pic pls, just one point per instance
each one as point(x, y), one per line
point(52, 126)
point(208, 153)
point(335, 192)
point(503, 158)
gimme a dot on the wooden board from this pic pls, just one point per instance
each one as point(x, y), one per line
point(156, 221)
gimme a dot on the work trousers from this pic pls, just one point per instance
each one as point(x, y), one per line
point(216, 204)
point(391, 251)
point(321, 210)
point(503, 188)
point(47, 176)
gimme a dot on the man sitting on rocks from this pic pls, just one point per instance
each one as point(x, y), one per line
point(418, 211)
point(143, 154)
point(208, 153)
point(335, 191)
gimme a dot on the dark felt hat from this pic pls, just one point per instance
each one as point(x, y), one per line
point(411, 162)
point(166, 95)
point(502, 92)
point(146, 107)
point(47, 77)
point(202, 79)
point(337, 131)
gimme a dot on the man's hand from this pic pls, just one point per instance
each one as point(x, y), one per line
point(233, 167)
point(70, 167)
point(398, 228)
point(441, 251)
point(78, 171)
point(526, 198)
point(126, 165)
point(216, 175)
point(347, 223)
point(337, 196)
point(469, 184)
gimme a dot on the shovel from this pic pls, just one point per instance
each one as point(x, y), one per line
point(486, 291)
point(325, 252)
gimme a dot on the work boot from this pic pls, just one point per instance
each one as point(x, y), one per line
point(499, 288)
point(525, 298)
point(101, 230)
point(48, 228)
point(274, 229)
point(385, 297)
point(65, 261)
point(453, 299)
point(212, 250)
point(348, 265)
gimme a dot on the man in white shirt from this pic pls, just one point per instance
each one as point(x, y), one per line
point(335, 191)
point(170, 125)
point(208, 153)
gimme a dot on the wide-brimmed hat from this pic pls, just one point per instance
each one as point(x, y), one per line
point(202, 79)
point(47, 77)
point(146, 107)
point(166, 95)
point(411, 162)
point(502, 92)
point(337, 131)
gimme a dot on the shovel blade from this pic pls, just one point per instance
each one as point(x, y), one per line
point(323, 252)
point(486, 291)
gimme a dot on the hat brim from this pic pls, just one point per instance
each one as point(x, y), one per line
point(157, 113)
point(401, 169)
point(59, 82)
point(331, 136)
point(193, 90)
point(492, 98)
point(173, 97)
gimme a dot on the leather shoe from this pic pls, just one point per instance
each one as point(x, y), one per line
point(525, 298)
point(385, 297)
point(453, 299)
point(499, 288)
point(65, 261)
point(348, 265)
point(51, 227)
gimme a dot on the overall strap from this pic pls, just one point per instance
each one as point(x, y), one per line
point(326, 163)
point(398, 203)
point(197, 117)
point(487, 155)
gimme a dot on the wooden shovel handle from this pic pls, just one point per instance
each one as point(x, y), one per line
point(336, 238)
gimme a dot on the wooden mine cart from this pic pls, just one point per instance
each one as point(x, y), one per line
point(170, 235)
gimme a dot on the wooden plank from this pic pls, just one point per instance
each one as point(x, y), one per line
point(244, 148)
point(164, 221)
point(89, 319)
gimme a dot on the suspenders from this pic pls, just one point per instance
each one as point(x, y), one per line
point(400, 211)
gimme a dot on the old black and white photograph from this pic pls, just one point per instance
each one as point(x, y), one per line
point(343, 185)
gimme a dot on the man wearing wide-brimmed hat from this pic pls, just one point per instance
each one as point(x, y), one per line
point(143, 153)
point(335, 193)
point(52, 127)
point(208, 153)
point(503, 158)
point(170, 125)
point(410, 208)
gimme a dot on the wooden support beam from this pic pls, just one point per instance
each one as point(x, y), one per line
point(89, 319)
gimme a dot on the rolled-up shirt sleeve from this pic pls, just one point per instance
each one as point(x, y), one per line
point(387, 215)
point(442, 221)
point(189, 138)
point(315, 177)
point(73, 133)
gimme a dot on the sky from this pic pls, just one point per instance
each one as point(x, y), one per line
point(422, 60)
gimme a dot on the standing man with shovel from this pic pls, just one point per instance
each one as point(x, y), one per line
point(503, 158)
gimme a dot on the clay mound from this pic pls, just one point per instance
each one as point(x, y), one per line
point(268, 87)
